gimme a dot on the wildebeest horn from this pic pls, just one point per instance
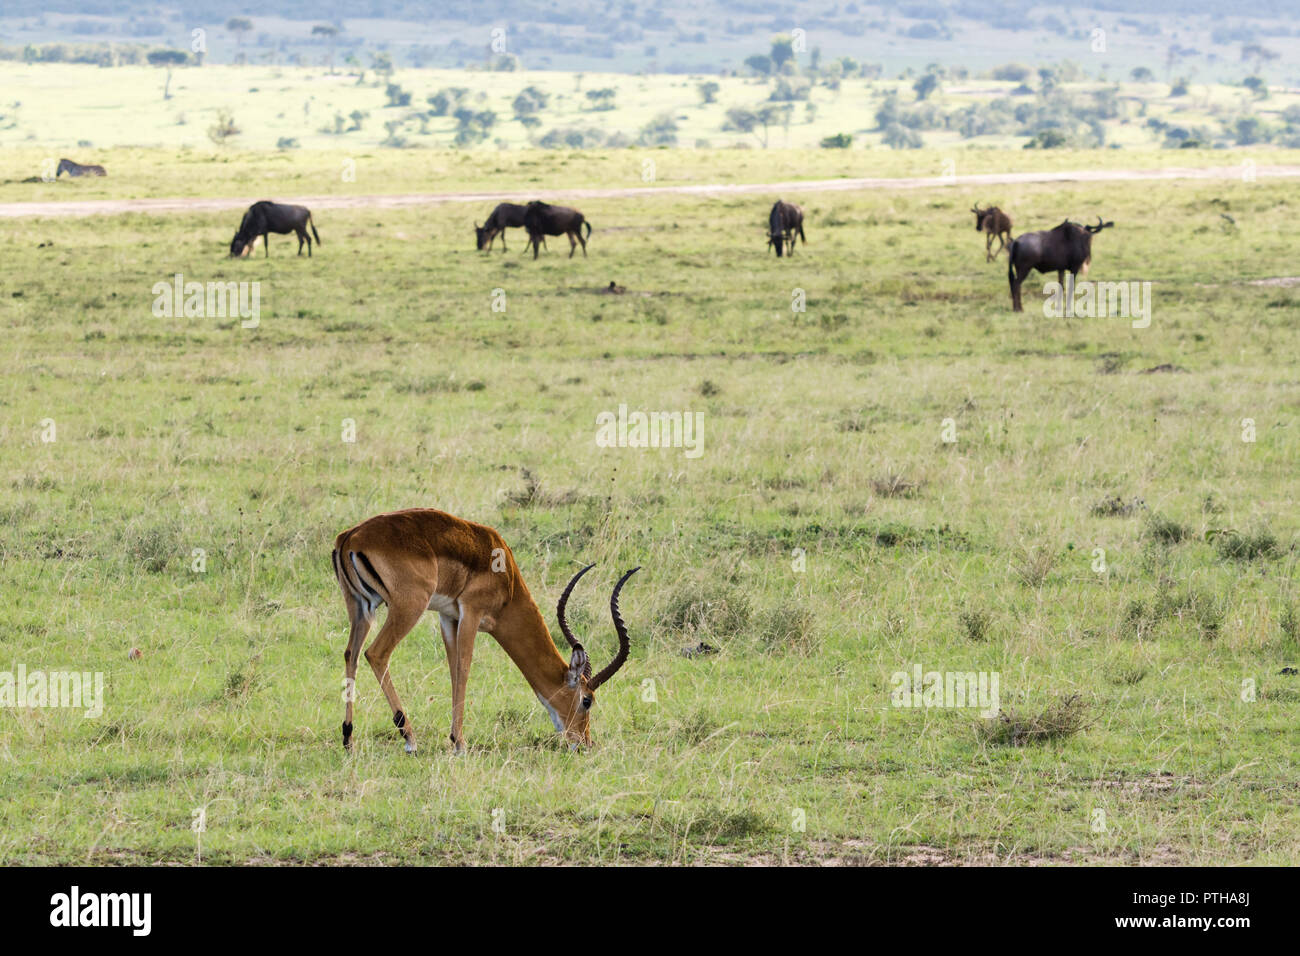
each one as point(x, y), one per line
point(559, 610)
point(624, 644)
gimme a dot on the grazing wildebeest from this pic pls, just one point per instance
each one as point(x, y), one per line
point(506, 215)
point(783, 225)
point(542, 220)
point(997, 224)
point(1067, 248)
point(76, 169)
point(266, 217)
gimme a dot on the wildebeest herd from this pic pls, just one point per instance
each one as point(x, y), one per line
point(1066, 248)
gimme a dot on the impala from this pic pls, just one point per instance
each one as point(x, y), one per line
point(422, 559)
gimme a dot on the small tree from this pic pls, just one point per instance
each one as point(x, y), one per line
point(925, 85)
point(708, 91)
point(660, 131)
point(602, 99)
point(530, 101)
point(239, 26)
point(168, 59)
point(1257, 86)
point(224, 128)
point(782, 51)
point(329, 32)
point(382, 63)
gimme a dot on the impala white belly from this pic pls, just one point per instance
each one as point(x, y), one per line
point(450, 610)
point(445, 605)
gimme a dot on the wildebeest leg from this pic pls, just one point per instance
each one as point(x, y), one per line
point(266, 244)
point(578, 233)
point(503, 240)
point(988, 246)
point(536, 245)
point(301, 236)
point(573, 245)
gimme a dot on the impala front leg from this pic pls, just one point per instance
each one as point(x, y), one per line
point(466, 628)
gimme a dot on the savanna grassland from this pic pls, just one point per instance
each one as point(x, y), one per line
point(81, 111)
point(826, 538)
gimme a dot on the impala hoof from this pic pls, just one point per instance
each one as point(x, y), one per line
point(409, 746)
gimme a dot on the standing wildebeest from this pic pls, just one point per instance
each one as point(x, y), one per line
point(1067, 248)
point(506, 215)
point(542, 220)
point(997, 224)
point(76, 169)
point(266, 217)
point(783, 225)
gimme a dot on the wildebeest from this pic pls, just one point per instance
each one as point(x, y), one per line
point(266, 217)
point(997, 224)
point(1067, 248)
point(783, 225)
point(506, 215)
point(76, 169)
point(542, 220)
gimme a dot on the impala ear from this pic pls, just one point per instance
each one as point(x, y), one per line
point(578, 664)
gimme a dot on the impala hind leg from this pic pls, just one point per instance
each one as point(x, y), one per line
point(401, 618)
point(356, 637)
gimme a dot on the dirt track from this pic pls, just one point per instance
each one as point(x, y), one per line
point(102, 207)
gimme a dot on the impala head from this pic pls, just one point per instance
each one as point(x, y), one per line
point(572, 704)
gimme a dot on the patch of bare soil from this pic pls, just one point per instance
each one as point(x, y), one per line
point(102, 207)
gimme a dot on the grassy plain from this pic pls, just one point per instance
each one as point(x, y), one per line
point(88, 109)
point(822, 431)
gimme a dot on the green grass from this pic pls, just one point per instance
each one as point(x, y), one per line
point(81, 110)
point(183, 434)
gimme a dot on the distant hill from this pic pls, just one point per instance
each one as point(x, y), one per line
point(1172, 37)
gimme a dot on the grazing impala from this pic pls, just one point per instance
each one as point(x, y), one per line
point(422, 559)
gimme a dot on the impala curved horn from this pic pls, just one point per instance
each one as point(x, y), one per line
point(624, 645)
point(563, 602)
